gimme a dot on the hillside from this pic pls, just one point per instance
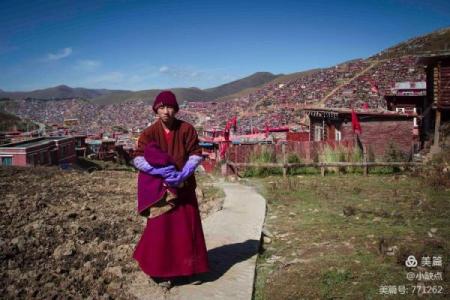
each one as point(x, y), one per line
point(276, 80)
point(432, 43)
point(253, 81)
point(435, 42)
point(354, 83)
point(9, 122)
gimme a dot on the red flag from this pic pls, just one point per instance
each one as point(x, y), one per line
point(226, 135)
point(223, 149)
point(234, 122)
point(228, 126)
point(226, 131)
point(355, 123)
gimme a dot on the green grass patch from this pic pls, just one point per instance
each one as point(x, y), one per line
point(342, 237)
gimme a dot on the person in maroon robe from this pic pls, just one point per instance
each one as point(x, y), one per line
point(172, 244)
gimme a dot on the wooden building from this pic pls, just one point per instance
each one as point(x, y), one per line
point(410, 98)
point(80, 145)
point(210, 155)
point(71, 122)
point(298, 136)
point(39, 151)
point(107, 150)
point(379, 129)
point(438, 89)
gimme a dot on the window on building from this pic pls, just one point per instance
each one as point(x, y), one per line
point(318, 133)
point(6, 161)
point(400, 109)
point(338, 135)
point(410, 110)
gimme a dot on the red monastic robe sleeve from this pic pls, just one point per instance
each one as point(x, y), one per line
point(192, 142)
point(142, 141)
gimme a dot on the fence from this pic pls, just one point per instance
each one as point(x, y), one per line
point(323, 166)
point(277, 156)
point(305, 151)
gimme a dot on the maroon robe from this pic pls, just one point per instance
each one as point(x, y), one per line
point(154, 195)
point(173, 243)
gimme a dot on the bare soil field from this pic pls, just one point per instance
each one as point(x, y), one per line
point(71, 234)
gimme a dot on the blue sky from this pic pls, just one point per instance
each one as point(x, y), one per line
point(140, 45)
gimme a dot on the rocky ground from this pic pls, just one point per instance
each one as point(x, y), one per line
point(71, 234)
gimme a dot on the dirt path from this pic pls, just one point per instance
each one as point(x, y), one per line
point(322, 102)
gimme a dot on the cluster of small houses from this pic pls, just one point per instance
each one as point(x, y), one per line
point(61, 147)
point(415, 113)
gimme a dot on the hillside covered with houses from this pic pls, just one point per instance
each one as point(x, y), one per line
point(398, 96)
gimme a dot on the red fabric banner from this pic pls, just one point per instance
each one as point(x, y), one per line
point(355, 122)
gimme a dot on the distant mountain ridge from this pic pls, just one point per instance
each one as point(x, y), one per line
point(58, 92)
point(257, 79)
point(192, 94)
point(104, 96)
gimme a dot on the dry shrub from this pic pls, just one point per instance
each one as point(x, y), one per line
point(437, 176)
point(437, 172)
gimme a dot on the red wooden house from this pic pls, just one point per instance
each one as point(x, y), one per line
point(39, 151)
point(378, 129)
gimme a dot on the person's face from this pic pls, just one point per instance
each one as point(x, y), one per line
point(166, 113)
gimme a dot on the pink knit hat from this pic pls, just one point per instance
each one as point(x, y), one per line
point(165, 98)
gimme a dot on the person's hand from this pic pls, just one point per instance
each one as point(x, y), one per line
point(175, 180)
point(141, 164)
point(164, 172)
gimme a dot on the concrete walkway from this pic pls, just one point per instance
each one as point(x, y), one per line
point(232, 237)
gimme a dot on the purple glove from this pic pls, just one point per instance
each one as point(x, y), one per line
point(140, 163)
point(174, 180)
point(177, 178)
